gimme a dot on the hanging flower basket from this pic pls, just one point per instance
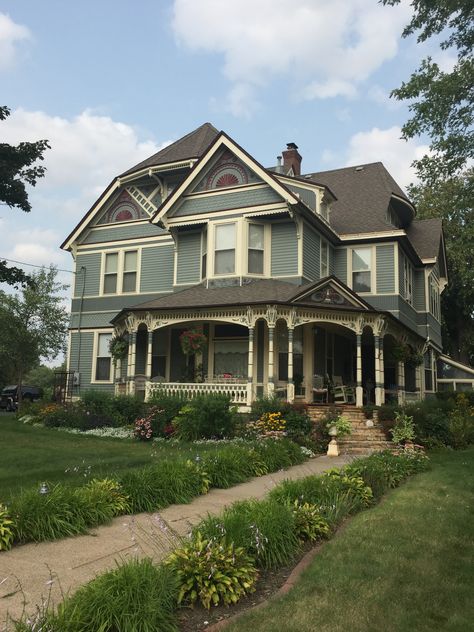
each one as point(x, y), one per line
point(400, 352)
point(192, 341)
point(414, 359)
point(118, 347)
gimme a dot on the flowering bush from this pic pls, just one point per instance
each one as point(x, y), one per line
point(143, 430)
point(268, 425)
point(192, 341)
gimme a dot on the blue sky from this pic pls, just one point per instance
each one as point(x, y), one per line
point(110, 82)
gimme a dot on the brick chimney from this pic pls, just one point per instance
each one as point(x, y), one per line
point(291, 158)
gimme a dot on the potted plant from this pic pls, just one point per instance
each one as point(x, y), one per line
point(192, 342)
point(368, 410)
point(118, 347)
point(337, 426)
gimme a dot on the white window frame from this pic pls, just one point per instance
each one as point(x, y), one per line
point(407, 280)
point(266, 248)
point(212, 251)
point(326, 263)
point(434, 297)
point(372, 270)
point(95, 350)
point(120, 271)
point(204, 252)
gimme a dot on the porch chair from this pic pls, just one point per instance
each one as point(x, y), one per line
point(319, 390)
point(280, 391)
point(344, 395)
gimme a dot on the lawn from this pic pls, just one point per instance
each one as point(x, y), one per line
point(32, 454)
point(405, 565)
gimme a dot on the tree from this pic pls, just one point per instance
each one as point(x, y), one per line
point(33, 323)
point(17, 170)
point(441, 102)
point(454, 197)
point(442, 107)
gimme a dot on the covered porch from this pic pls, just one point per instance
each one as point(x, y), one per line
point(298, 353)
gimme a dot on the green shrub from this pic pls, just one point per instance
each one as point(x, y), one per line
point(127, 408)
point(404, 429)
point(431, 421)
point(352, 484)
point(265, 529)
point(166, 408)
point(206, 417)
point(7, 529)
point(159, 485)
point(279, 454)
point(461, 423)
point(99, 501)
point(309, 523)
point(212, 573)
point(99, 404)
point(229, 466)
point(135, 597)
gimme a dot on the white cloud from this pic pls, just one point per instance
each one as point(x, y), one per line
point(11, 34)
point(325, 48)
point(387, 146)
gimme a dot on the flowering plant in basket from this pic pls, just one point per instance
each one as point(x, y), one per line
point(192, 341)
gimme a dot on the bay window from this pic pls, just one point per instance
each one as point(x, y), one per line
point(103, 363)
point(256, 249)
point(224, 249)
point(361, 269)
point(324, 259)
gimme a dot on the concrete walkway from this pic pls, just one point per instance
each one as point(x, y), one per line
point(31, 573)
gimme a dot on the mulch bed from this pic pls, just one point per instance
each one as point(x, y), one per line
point(269, 583)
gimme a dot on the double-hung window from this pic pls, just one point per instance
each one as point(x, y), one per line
point(103, 360)
point(361, 269)
point(256, 249)
point(224, 249)
point(204, 254)
point(408, 280)
point(120, 272)
point(324, 259)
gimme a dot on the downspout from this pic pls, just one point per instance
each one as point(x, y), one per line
point(82, 269)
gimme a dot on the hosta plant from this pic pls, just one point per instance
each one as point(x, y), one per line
point(7, 527)
point(212, 572)
point(354, 485)
point(309, 523)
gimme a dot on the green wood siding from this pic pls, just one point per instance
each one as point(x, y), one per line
point(385, 257)
point(189, 258)
point(332, 260)
point(419, 301)
point(119, 232)
point(85, 365)
point(238, 199)
point(112, 303)
point(311, 253)
point(91, 319)
point(284, 260)
point(91, 281)
point(308, 197)
point(401, 271)
point(389, 303)
point(340, 264)
point(157, 269)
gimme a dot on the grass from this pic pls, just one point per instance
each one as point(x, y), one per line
point(404, 565)
point(32, 454)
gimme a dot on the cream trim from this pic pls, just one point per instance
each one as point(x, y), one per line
point(458, 365)
point(263, 209)
point(370, 236)
point(116, 246)
point(120, 272)
point(311, 186)
point(192, 177)
point(135, 222)
point(168, 166)
point(224, 190)
point(94, 357)
point(373, 269)
point(68, 356)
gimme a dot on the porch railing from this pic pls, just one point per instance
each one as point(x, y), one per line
point(236, 392)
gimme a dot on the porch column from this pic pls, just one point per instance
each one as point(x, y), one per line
point(378, 390)
point(250, 368)
point(382, 371)
point(401, 381)
point(290, 393)
point(359, 388)
point(132, 352)
point(271, 379)
point(149, 356)
point(418, 379)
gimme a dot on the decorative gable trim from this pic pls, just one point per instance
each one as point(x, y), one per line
point(223, 141)
point(331, 292)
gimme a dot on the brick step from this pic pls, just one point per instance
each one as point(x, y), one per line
point(375, 445)
point(361, 451)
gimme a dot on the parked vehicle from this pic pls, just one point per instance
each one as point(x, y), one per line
point(9, 396)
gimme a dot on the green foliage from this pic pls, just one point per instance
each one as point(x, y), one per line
point(126, 408)
point(230, 466)
point(212, 572)
point(7, 529)
point(265, 529)
point(353, 485)
point(310, 526)
point(404, 429)
point(279, 454)
point(334, 419)
point(99, 501)
point(205, 417)
point(118, 347)
point(137, 596)
point(461, 423)
point(166, 409)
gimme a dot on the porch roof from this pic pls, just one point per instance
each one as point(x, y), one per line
point(253, 292)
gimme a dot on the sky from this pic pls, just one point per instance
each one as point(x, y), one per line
point(110, 82)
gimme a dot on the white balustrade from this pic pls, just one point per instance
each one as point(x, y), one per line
point(236, 392)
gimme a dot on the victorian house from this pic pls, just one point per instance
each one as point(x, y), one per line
point(308, 286)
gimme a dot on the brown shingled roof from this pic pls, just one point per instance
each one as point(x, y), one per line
point(193, 145)
point(425, 235)
point(363, 195)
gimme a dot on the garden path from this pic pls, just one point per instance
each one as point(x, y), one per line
point(32, 573)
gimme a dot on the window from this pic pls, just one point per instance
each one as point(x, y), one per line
point(103, 360)
point(408, 280)
point(428, 364)
point(224, 249)
point(324, 259)
point(110, 275)
point(282, 341)
point(120, 272)
point(361, 269)
point(204, 254)
point(434, 297)
point(129, 282)
point(256, 249)
point(324, 210)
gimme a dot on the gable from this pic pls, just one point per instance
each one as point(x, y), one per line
point(330, 292)
point(225, 171)
point(122, 208)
